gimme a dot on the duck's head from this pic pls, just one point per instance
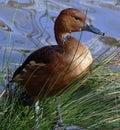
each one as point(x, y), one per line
point(72, 20)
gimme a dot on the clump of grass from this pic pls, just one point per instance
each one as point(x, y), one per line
point(93, 102)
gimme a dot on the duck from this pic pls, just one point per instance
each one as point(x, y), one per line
point(47, 71)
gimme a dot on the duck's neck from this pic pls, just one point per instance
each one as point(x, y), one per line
point(67, 44)
point(61, 38)
point(61, 32)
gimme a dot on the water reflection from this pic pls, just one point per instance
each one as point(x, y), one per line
point(110, 41)
point(26, 25)
point(3, 26)
point(21, 3)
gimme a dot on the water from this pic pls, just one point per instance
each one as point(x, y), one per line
point(26, 25)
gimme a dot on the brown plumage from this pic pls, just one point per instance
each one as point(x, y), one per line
point(48, 70)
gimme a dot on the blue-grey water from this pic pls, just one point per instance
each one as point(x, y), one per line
point(26, 25)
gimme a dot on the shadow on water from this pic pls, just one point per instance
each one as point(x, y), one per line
point(28, 24)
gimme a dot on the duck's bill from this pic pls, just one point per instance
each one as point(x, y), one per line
point(91, 28)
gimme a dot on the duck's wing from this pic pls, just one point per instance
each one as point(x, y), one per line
point(42, 56)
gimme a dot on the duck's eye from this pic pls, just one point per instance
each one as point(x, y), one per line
point(76, 18)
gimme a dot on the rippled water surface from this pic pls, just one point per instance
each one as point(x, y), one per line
point(26, 25)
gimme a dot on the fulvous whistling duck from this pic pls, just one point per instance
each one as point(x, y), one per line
point(49, 69)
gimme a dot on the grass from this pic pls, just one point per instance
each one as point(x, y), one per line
point(93, 102)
